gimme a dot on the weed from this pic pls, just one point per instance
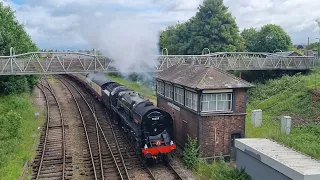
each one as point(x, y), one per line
point(190, 154)
point(219, 171)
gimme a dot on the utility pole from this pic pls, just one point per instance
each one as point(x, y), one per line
point(318, 55)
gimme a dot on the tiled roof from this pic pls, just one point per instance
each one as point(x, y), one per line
point(202, 77)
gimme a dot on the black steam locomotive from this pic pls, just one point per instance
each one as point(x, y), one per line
point(149, 128)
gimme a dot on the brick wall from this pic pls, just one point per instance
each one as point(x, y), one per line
point(214, 131)
point(185, 122)
point(240, 100)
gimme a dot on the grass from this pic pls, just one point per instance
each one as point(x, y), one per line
point(16, 151)
point(290, 96)
point(140, 88)
point(219, 171)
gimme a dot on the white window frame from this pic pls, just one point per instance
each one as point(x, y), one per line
point(168, 91)
point(160, 87)
point(216, 101)
point(179, 95)
point(191, 98)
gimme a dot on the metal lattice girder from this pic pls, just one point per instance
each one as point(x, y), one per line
point(240, 61)
point(75, 62)
point(55, 63)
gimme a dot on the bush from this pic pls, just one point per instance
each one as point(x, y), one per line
point(9, 125)
point(18, 133)
point(115, 74)
point(190, 154)
point(220, 171)
point(263, 91)
point(133, 77)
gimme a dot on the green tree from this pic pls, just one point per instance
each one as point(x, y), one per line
point(272, 37)
point(292, 48)
point(12, 34)
point(9, 125)
point(212, 27)
point(313, 46)
point(250, 37)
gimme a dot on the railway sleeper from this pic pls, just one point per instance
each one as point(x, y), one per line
point(51, 175)
point(48, 158)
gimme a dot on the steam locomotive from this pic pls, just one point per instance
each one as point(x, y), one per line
point(149, 129)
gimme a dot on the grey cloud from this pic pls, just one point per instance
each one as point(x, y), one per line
point(56, 22)
point(296, 17)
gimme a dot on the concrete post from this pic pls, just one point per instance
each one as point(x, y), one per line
point(256, 117)
point(285, 124)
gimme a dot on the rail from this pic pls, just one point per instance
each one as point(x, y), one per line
point(98, 124)
point(44, 148)
point(85, 129)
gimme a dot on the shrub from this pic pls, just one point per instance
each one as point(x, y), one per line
point(220, 171)
point(133, 77)
point(190, 155)
point(9, 125)
point(115, 74)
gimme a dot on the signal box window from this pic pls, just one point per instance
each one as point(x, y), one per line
point(178, 95)
point(216, 102)
point(160, 88)
point(191, 100)
point(169, 91)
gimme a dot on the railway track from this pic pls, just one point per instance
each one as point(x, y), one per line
point(108, 154)
point(52, 158)
point(107, 160)
point(161, 171)
point(136, 166)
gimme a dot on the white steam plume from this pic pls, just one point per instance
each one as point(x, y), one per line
point(130, 41)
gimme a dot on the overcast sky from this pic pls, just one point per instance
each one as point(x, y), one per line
point(67, 24)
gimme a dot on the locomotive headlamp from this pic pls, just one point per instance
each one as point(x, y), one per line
point(145, 146)
point(171, 143)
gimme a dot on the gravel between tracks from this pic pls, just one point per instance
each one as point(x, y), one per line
point(177, 164)
point(77, 139)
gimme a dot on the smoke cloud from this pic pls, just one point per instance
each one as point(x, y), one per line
point(130, 41)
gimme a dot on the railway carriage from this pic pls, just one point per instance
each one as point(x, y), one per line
point(149, 128)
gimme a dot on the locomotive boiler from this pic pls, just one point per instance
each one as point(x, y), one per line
point(149, 128)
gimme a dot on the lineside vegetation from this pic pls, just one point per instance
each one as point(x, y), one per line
point(18, 134)
point(291, 96)
point(18, 127)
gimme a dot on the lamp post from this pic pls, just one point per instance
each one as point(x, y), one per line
point(315, 74)
point(318, 49)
